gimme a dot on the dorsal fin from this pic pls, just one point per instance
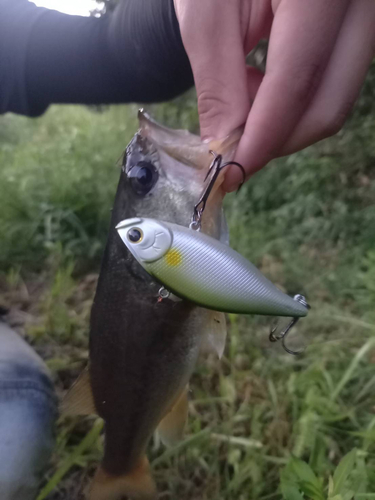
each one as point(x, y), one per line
point(79, 399)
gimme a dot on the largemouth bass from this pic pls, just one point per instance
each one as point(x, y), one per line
point(143, 351)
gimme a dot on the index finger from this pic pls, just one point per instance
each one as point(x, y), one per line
point(211, 33)
point(302, 39)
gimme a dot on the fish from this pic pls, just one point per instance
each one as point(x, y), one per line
point(142, 351)
point(203, 270)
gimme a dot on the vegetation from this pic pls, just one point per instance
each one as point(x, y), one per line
point(263, 424)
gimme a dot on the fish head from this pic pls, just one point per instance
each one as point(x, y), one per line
point(163, 174)
point(147, 239)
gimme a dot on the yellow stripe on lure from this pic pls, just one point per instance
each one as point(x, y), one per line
point(203, 270)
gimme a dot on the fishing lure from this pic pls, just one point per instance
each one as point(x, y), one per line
point(199, 268)
point(204, 270)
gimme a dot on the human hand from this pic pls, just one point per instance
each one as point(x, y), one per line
point(318, 56)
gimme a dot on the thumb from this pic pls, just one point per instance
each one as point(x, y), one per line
point(211, 33)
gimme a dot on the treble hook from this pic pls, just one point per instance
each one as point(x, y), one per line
point(283, 334)
point(216, 167)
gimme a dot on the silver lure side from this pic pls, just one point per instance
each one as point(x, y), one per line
point(203, 270)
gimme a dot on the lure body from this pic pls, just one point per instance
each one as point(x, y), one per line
point(203, 270)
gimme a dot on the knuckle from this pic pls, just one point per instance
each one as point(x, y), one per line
point(210, 105)
point(306, 81)
point(213, 103)
point(300, 81)
point(336, 120)
point(211, 98)
point(333, 126)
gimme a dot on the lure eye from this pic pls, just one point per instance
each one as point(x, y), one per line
point(135, 235)
point(143, 177)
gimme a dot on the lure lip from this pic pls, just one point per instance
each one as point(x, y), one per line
point(128, 222)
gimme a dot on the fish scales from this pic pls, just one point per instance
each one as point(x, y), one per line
point(141, 351)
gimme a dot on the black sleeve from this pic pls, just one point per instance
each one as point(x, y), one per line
point(133, 55)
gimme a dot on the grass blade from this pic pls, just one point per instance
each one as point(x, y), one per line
point(86, 443)
point(352, 367)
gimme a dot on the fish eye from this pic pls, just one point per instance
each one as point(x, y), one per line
point(135, 235)
point(143, 177)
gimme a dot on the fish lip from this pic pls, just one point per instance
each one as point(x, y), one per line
point(144, 115)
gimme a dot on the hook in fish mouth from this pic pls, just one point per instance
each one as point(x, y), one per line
point(215, 167)
point(284, 333)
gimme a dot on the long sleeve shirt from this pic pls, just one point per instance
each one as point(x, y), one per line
point(134, 54)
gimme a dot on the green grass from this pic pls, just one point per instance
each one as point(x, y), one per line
point(263, 424)
point(58, 178)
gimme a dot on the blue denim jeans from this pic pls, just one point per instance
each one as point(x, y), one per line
point(28, 409)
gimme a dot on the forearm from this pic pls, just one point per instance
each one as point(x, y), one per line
point(134, 54)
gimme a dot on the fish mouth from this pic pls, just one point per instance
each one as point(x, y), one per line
point(184, 146)
point(180, 145)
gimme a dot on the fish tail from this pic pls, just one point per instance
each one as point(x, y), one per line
point(137, 484)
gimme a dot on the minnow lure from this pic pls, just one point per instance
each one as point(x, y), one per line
point(203, 270)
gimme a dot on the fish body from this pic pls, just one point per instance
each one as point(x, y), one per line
point(142, 352)
point(201, 269)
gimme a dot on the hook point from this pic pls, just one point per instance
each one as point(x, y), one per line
point(284, 333)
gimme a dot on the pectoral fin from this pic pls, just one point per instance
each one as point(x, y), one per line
point(171, 428)
point(79, 399)
point(137, 484)
point(215, 335)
